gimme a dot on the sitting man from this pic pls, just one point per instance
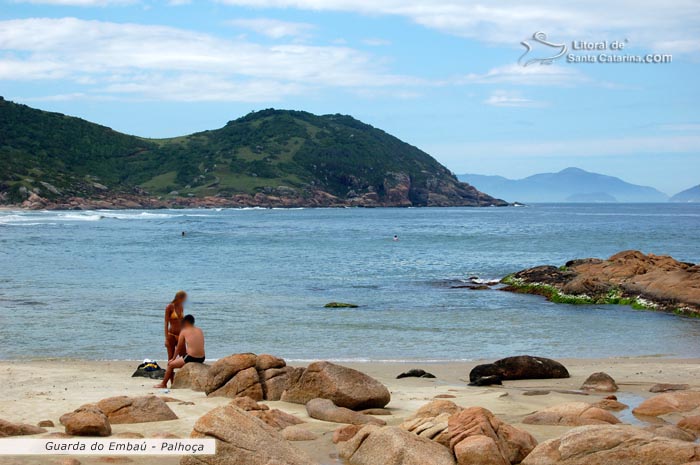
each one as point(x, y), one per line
point(190, 349)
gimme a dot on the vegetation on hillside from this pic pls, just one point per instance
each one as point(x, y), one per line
point(270, 149)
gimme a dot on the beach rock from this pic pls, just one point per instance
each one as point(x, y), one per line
point(435, 428)
point(610, 404)
point(67, 461)
point(477, 437)
point(437, 407)
point(128, 435)
point(520, 367)
point(340, 305)
point(345, 433)
point(669, 402)
point(8, 429)
point(245, 383)
point(46, 424)
point(671, 432)
point(376, 411)
point(226, 368)
point(664, 387)
point(123, 409)
point(326, 410)
point(691, 424)
point(537, 392)
point(298, 433)
point(163, 435)
point(415, 373)
point(654, 281)
point(192, 376)
point(374, 445)
point(248, 404)
point(601, 382)
point(87, 420)
point(608, 445)
point(486, 381)
point(344, 386)
point(267, 361)
point(276, 418)
point(276, 380)
point(572, 414)
point(242, 439)
point(444, 396)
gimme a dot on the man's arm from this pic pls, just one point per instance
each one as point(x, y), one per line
point(181, 348)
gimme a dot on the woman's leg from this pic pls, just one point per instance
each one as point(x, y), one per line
point(170, 344)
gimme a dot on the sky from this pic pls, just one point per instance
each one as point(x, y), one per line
point(447, 76)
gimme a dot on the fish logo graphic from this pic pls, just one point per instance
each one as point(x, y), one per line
point(543, 51)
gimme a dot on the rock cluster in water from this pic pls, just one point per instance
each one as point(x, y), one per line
point(655, 282)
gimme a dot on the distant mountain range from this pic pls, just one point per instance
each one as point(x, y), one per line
point(688, 195)
point(568, 185)
point(267, 158)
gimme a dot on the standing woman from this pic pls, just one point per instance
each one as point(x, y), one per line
point(174, 313)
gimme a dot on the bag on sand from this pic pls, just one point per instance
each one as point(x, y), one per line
point(149, 369)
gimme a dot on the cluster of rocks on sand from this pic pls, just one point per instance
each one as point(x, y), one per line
point(656, 282)
point(440, 432)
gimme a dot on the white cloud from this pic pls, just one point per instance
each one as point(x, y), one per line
point(649, 23)
point(538, 75)
point(273, 27)
point(502, 98)
point(169, 63)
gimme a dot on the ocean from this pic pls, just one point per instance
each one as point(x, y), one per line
point(94, 284)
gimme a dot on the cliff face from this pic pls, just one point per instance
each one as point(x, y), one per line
point(267, 158)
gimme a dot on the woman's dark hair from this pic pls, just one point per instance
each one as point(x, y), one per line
point(188, 319)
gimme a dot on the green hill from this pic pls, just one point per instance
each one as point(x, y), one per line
point(270, 157)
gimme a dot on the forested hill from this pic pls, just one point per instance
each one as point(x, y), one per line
point(267, 158)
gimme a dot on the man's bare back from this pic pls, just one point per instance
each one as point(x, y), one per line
point(192, 340)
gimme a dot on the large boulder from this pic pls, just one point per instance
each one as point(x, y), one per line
point(276, 380)
point(326, 410)
point(192, 376)
point(477, 437)
point(520, 367)
point(344, 386)
point(375, 445)
point(245, 383)
point(601, 382)
point(608, 445)
point(123, 409)
point(18, 429)
point(669, 402)
point(226, 368)
point(572, 414)
point(242, 439)
point(87, 420)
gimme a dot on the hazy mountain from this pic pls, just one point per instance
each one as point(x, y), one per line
point(688, 195)
point(270, 157)
point(568, 185)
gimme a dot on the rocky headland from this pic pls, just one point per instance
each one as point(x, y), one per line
point(648, 282)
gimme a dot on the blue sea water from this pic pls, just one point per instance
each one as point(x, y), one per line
point(93, 284)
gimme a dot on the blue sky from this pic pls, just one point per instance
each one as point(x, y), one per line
point(440, 74)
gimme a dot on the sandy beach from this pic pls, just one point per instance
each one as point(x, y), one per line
point(44, 390)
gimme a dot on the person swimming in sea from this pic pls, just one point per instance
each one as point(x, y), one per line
point(190, 349)
point(396, 238)
point(174, 313)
